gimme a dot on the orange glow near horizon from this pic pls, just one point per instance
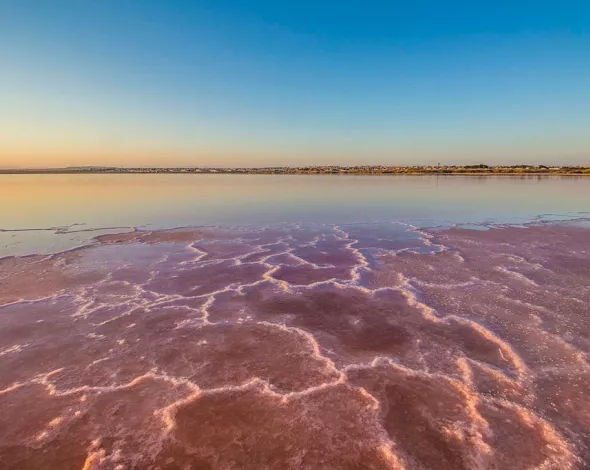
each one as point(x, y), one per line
point(49, 155)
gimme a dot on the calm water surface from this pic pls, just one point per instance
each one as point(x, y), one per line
point(78, 203)
point(295, 322)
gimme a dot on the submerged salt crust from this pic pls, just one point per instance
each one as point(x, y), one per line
point(377, 346)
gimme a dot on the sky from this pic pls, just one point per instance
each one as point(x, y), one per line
point(271, 83)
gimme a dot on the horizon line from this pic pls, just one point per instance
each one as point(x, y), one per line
point(265, 167)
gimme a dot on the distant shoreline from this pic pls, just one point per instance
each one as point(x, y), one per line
point(470, 170)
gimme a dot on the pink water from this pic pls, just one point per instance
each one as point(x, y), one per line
point(300, 346)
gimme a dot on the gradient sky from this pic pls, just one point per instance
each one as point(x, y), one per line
point(268, 82)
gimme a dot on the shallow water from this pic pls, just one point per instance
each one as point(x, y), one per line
point(68, 210)
point(304, 345)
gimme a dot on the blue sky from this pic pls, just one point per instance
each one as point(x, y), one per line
point(92, 82)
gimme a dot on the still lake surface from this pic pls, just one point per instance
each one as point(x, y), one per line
point(294, 322)
point(83, 206)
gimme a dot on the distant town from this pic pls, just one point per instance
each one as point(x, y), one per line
point(479, 169)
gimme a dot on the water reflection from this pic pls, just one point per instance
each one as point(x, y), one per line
point(164, 201)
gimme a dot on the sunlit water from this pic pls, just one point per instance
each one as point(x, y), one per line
point(78, 203)
point(296, 322)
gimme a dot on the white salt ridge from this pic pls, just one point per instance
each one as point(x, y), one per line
point(118, 312)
